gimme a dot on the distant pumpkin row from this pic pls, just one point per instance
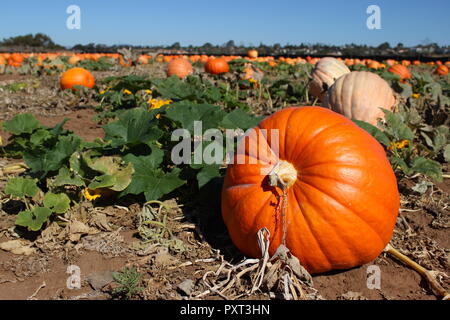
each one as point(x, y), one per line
point(16, 59)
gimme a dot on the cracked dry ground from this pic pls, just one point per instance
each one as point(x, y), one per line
point(104, 239)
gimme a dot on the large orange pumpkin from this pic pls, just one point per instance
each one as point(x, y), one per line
point(325, 73)
point(341, 197)
point(360, 95)
point(217, 66)
point(77, 77)
point(179, 67)
point(2, 60)
point(400, 70)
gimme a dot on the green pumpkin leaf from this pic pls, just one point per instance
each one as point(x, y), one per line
point(22, 187)
point(186, 113)
point(239, 119)
point(447, 153)
point(134, 127)
point(33, 219)
point(397, 127)
point(58, 203)
point(428, 167)
point(151, 181)
point(206, 174)
point(440, 138)
point(22, 123)
point(374, 132)
point(66, 177)
point(52, 159)
point(103, 181)
point(40, 136)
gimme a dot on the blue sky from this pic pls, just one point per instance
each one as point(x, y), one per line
point(247, 22)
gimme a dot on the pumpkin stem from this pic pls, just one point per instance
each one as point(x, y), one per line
point(283, 175)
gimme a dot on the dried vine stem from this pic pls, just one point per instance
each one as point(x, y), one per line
point(428, 275)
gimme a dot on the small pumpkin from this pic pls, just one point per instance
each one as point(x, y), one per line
point(400, 70)
point(442, 70)
point(325, 73)
point(77, 77)
point(360, 95)
point(143, 59)
point(179, 67)
point(335, 200)
point(372, 64)
point(252, 53)
point(16, 59)
point(74, 60)
point(217, 66)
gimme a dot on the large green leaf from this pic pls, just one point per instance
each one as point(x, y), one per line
point(207, 115)
point(176, 89)
point(149, 179)
point(117, 180)
point(22, 187)
point(66, 177)
point(397, 127)
point(134, 127)
point(239, 119)
point(52, 159)
point(428, 167)
point(22, 123)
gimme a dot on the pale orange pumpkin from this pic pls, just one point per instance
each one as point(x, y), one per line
point(74, 60)
point(360, 95)
point(325, 73)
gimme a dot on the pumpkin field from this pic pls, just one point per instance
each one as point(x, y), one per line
point(353, 204)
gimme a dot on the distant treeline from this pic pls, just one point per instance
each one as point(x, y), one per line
point(42, 42)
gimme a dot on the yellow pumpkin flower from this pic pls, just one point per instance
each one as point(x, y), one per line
point(126, 91)
point(91, 195)
point(398, 145)
point(416, 95)
point(158, 103)
point(148, 91)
